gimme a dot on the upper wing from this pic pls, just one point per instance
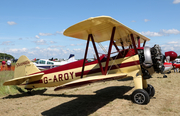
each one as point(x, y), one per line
point(17, 81)
point(88, 80)
point(101, 29)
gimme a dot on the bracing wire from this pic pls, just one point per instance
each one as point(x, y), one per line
point(110, 58)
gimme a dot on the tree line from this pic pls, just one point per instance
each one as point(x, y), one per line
point(6, 56)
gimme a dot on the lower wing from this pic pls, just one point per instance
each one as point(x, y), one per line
point(88, 80)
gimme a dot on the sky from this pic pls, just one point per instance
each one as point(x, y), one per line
point(35, 27)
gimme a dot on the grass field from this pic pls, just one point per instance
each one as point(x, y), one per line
point(112, 98)
point(6, 90)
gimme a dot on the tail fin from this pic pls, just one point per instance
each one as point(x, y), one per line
point(24, 67)
point(71, 58)
point(71, 55)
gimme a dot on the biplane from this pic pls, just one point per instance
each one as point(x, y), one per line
point(132, 59)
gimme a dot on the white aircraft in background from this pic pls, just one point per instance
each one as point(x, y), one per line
point(44, 64)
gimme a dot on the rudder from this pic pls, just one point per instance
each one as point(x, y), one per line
point(24, 67)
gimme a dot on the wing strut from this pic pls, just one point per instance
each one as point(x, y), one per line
point(110, 47)
point(144, 43)
point(134, 44)
point(85, 55)
point(122, 45)
point(139, 43)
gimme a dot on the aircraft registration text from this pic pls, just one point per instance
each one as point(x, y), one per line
point(59, 77)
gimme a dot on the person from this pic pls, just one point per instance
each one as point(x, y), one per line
point(3, 66)
point(9, 64)
point(174, 67)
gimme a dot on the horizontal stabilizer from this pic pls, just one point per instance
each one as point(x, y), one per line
point(18, 81)
point(88, 80)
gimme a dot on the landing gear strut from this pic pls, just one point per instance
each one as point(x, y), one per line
point(150, 90)
point(142, 96)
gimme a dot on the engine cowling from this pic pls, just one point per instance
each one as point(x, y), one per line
point(151, 60)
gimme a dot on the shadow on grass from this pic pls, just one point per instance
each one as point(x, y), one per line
point(87, 104)
point(24, 93)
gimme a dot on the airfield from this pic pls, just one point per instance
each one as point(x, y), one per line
point(111, 98)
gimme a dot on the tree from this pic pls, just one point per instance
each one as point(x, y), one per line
point(178, 56)
point(6, 56)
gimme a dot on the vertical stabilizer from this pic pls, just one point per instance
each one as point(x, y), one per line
point(71, 58)
point(24, 67)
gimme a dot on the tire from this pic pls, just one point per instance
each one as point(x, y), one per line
point(140, 96)
point(150, 90)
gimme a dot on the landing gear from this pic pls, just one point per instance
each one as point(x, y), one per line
point(140, 96)
point(150, 90)
point(29, 91)
point(164, 76)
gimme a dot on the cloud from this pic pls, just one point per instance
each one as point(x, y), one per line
point(151, 34)
point(170, 31)
point(173, 42)
point(37, 37)
point(45, 34)
point(146, 20)
point(176, 1)
point(133, 21)
point(162, 32)
point(171, 46)
point(6, 43)
point(49, 34)
point(52, 42)
point(79, 44)
point(40, 42)
point(57, 46)
point(11, 23)
point(60, 32)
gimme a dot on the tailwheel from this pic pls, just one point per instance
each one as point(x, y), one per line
point(150, 90)
point(140, 96)
point(29, 91)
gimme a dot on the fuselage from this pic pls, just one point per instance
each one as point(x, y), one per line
point(72, 71)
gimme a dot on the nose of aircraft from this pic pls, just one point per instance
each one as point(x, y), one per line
point(172, 54)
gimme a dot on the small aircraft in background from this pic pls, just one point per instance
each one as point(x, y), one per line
point(176, 64)
point(169, 57)
point(131, 59)
point(44, 64)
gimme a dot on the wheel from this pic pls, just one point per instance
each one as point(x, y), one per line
point(150, 90)
point(140, 96)
point(29, 91)
point(165, 76)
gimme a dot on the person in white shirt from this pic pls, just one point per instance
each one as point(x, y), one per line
point(8, 64)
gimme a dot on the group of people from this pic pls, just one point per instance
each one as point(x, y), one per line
point(6, 65)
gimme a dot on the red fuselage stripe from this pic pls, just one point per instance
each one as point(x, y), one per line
point(109, 68)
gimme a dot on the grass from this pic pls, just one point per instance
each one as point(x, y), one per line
point(6, 90)
point(13, 89)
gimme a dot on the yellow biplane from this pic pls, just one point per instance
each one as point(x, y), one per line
point(132, 59)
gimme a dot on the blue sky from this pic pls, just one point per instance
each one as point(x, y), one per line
point(34, 27)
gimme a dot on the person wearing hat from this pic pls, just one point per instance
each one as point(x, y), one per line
point(3, 66)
